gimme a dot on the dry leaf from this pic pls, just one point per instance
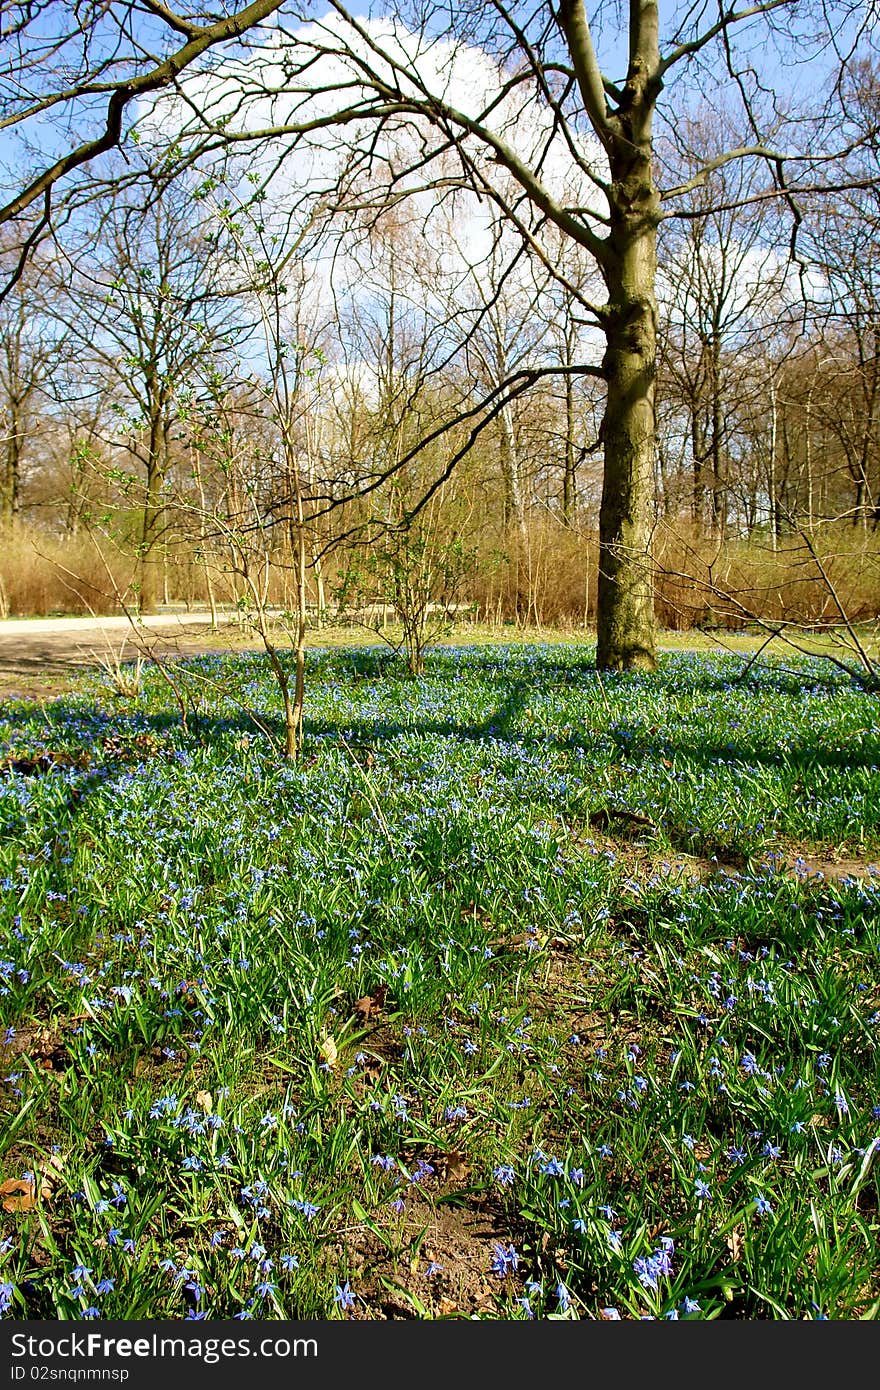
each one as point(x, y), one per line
point(451, 1165)
point(329, 1051)
point(204, 1101)
point(52, 1166)
point(20, 1194)
point(735, 1245)
point(371, 1005)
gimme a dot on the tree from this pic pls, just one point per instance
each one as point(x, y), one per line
point(82, 68)
point(723, 294)
point(543, 98)
point(28, 349)
point(846, 250)
point(145, 307)
point(519, 95)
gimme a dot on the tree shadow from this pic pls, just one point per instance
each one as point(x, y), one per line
point(522, 669)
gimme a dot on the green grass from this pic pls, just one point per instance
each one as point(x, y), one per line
point(506, 1002)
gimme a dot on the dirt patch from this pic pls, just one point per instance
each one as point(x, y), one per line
point(806, 864)
point(432, 1261)
point(39, 665)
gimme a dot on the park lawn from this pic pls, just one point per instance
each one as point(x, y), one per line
point(527, 993)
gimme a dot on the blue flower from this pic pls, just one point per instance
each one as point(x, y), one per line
point(343, 1296)
point(504, 1261)
point(762, 1206)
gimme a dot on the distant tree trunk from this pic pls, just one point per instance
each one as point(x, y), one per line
point(716, 439)
point(12, 425)
point(698, 450)
point(569, 477)
point(150, 569)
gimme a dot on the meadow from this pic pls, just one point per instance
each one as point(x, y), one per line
point(527, 993)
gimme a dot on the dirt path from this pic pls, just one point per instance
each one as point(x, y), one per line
point(37, 655)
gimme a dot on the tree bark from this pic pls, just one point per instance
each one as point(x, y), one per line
point(625, 602)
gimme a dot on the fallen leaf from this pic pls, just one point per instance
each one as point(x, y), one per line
point(735, 1245)
point(371, 1005)
point(20, 1194)
point(452, 1165)
point(204, 1101)
point(47, 1049)
point(329, 1051)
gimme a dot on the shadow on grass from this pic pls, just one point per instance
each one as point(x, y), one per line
point(521, 670)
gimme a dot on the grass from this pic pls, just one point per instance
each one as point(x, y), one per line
point(527, 994)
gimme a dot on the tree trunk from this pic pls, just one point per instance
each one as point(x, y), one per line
point(698, 449)
point(569, 477)
point(625, 617)
point(719, 481)
point(10, 491)
point(150, 576)
point(150, 569)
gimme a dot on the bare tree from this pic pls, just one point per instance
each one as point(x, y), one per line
point(30, 345)
point(145, 304)
point(723, 295)
point(79, 69)
point(545, 99)
point(513, 98)
point(845, 248)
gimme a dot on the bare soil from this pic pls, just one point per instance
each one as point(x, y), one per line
point(38, 658)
